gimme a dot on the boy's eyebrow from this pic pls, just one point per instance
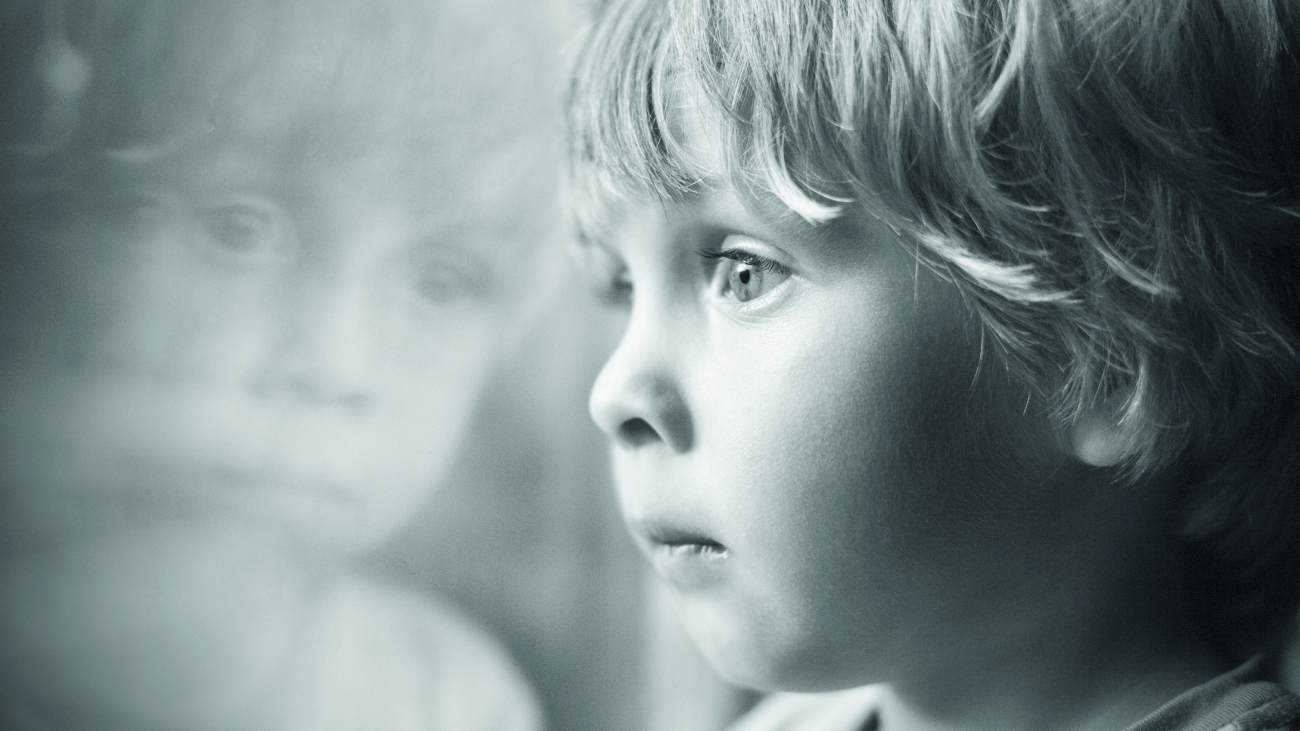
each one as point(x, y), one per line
point(719, 201)
point(766, 217)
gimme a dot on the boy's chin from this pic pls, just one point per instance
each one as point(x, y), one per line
point(765, 653)
point(771, 669)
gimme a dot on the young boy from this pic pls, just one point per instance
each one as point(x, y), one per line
point(962, 352)
point(257, 258)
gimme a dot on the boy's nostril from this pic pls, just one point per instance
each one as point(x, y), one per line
point(636, 432)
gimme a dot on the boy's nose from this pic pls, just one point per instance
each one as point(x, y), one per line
point(637, 399)
point(319, 354)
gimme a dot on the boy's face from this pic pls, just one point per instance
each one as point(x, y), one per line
point(806, 447)
point(286, 339)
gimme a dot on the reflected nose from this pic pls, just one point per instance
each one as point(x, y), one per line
point(320, 351)
point(637, 399)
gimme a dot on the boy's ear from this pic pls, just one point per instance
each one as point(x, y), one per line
point(1096, 437)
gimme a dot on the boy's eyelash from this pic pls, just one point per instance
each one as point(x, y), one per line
point(744, 257)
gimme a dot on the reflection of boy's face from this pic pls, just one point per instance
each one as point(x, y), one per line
point(292, 341)
point(803, 447)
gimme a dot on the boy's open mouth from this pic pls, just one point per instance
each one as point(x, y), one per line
point(679, 543)
point(704, 549)
point(687, 558)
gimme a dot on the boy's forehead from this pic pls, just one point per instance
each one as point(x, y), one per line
point(720, 208)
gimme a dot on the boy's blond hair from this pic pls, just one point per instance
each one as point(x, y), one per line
point(1112, 184)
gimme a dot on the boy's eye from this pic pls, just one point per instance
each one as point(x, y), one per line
point(745, 275)
point(247, 228)
point(604, 273)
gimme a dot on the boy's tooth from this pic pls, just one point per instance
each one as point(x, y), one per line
point(701, 549)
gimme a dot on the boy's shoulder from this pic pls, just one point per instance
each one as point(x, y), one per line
point(377, 656)
point(1241, 700)
point(1235, 701)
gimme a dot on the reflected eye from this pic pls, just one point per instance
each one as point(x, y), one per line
point(135, 218)
point(135, 212)
point(745, 275)
point(449, 277)
point(247, 228)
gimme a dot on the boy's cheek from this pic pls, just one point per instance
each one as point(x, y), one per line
point(861, 483)
point(797, 609)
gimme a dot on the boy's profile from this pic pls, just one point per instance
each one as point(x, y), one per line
point(256, 259)
point(962, 364)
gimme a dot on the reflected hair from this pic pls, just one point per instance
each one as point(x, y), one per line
point(135, 80)
point(1111, 184)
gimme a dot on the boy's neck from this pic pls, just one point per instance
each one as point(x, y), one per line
point(1102, 665)
point(1111, 704)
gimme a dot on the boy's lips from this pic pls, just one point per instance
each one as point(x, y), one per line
point(686, 557)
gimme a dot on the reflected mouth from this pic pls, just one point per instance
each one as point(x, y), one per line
point(280, 483)
point(208, 481)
